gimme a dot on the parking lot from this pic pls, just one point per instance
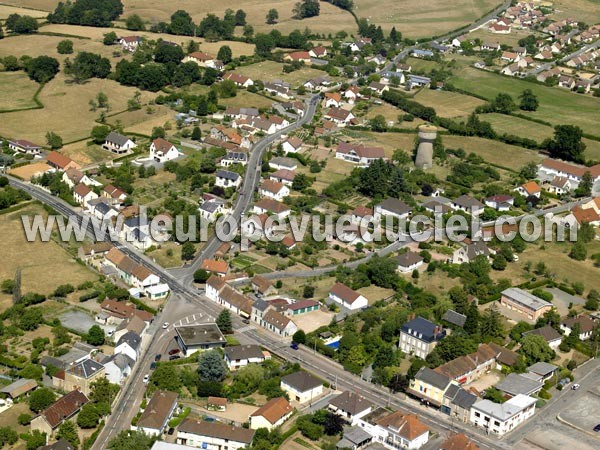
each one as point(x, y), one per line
point(585, 413)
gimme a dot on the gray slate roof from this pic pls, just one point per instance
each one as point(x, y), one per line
point(132, 339)
point(117, 138)
point(454, 318)
point(228, 175)
point(432, 377)
point(243, 352)
point(301, 381)
point(515, 383)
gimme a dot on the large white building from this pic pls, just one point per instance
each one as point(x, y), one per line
point(213, 435)
point(302, 386)
point(346, 297)
point(500, 418)
point(395, 430)
point(162, 150)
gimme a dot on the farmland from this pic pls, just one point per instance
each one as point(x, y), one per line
point(269, 70)
point(247, 99)
point(448, 104)
point(557, 106)
point(585, 10)
point(17, 91)
point(6, 10)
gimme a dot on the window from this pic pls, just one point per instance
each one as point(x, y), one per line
point(477, 414)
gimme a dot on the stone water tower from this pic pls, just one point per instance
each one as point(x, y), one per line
point(427, 135)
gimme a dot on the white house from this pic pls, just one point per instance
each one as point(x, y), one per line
point(341, 117)
point(130, 43)
point(130, 345)
point(392, 207)
point(395, 430)
point(529, 188)
point(157, 413)
point(500, 418)
point(359, 154)
point(559, 185)
point(241, 355)
point(162, 150)
point(271, 415)
point(409, 261)
point(213, 435)
point(283, 163)
point(348, 298)
point(292, 145)
point(279, 324)
point(118, 367)
point(350, 406)
point(83, 194)
point(302, 386)
point(200, 58)
point(467, 204)
point(117, 143)
point(72, 177)
point(283, 176)
point(586, 326)
point(210, 209)
point(24, 146)
point(227, 179)
point(274, 190)
point(239, 80)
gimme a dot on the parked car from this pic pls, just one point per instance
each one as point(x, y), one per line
point(172, 357)
point(146, 378)
point(246, 321)
point(152, 365)
point(575, 386)
point(294, 346)
point(174, 351)
point(157, 357)
point(597, 428)
point(165, 325)
point(171, 431)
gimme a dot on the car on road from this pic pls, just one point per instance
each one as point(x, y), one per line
point(246, 321)
point(174, 351)
point(165, 325)
point(157, 357)
point(146, 378)
point(575, 386)
point(172, 357)
point(152, 365)
point(294, 346)
point(597, 428)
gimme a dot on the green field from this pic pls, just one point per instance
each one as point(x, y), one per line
point(557, 106)
point(449, 104)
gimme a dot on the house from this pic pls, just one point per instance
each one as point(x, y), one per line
point(292, 145)
point(283, 163)
point(509, 56)
point(234, 157)
point(278, 90)
point(378, 88)
point(82, 194)
point(298, 57)
point(80, 376)
point(283, 176)
point(351, 94)
point(272, 207)
point(61, 162)
point(358, 153)
point(469, 252)
point(219, 268)
point(529, 188)
point(216, 403)
point(511, 70)
point(302, 386)
point(525, 303)
point(278, 323)
point(417, 81)
point(467, 204)
point(419, 336)
point(395, 430)
point(457, 403)
point(318, 52)
point(409, 261)
point(550, 335)
point(347, 298)
point(242, 355)
point(200, 58)
point(162, 150)
point(350, 406)
point(573, 172)
point(301, 307)
point(490, 46)
point(274, 190)
point(542, 371)
point(132, 323)
point(586, 326)
point(500, 418)
point(393, 78)
point(559, 185)
point(235, 301)
point(361, 213)
point(122, 310)
point(130, 344)
point(504, 356)
point(210, 209)
point(566, 82)
point(18, 388)
point(515, 383)
point(317, 84)
point(117, 143)
point(118, 367)
point(358, 45)
point(471, 367)
point(271, 415)
point(392, 207)
point(24, 146)
point(341, 117)
point(130, 43)
point(499, 29)
point(157, 413)
point(417, 53)
point(454, 318)
point(227, 179)
point(72, 177)
point(101, 210)
point(61, 410)
point(241, 113)
point(262, 286)
point(333, 99)
point(135, 274)
point(354, 438)
point(500, 202)
point(194, 338)
point(429, 386)
point(213, 435)
point(239, 80)
point(458, 442)
point(115, 195)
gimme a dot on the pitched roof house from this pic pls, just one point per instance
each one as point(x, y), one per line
point(63, 409)
point(272, 414)
point(157, 413)
point(348, 298)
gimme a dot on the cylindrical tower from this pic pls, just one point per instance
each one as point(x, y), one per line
point(427, 135)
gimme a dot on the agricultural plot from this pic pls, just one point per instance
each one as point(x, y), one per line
point(269, 70)
point(416, 18)
point(85, 154)
point(448, 104)
point(143, 120)
point(16, 91)
point(557, 106)
point(587, 11)
point(511, 39)
point(6, 10)
point(245, 99)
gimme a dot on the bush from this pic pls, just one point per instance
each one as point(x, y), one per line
point(24, 419)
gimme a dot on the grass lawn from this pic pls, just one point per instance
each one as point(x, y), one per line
point(161, 255)
point(374, 293)
point(66, 110)
point(448, 104)
point(511, 39)
point(419, 64)
point(16, 90)
point(495, 152)
point(242, 261)
point(335, 170)
point(269, 70)
point(44, 265)
point(521, 127)
point(247, 99)
point(85, 154)
point(142, 121)
point(391, 113)
point(389, 141)
point(417, 19)
point(557, 106)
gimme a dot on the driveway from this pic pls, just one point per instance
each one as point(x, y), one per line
point(82, 322)
point(562, 300)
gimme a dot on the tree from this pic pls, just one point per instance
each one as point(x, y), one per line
point(65, 47)
point(593, 300)
point(166, 54)
point(491, 324)
point(23, 419)
point(182, 24)
point(264, 43)
point(578, 251)
point(299, 337)
point(88, 65)
point(584, 189)
point(135, 23)
point(201, 275)
point(95, 336)
point(225, 54)
point(306, 8)
point(224, 322)
point(196, 134)
point(308, 428)
point(534, 348)
point(211, 366)
point(68, 430)
point(54, 140)
point(308, 291)
point(103, 391)
point(1, 33)
point(567, 143)
point(41, 69)
point(188, 251)
point(472, 321)
point(88, 416)
point(240, 18)
point(378, 123)
point(40, 399)
point(529, 101)
point(248, 378)
point(499, 262)
point(494, 395)
point(21, 24)
point(109, 38)
point(165, 377)
point(504, 104)
point(31, 319)
point(272, 16)
point(102, 100)
point(131, 440)
point(99, 133)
